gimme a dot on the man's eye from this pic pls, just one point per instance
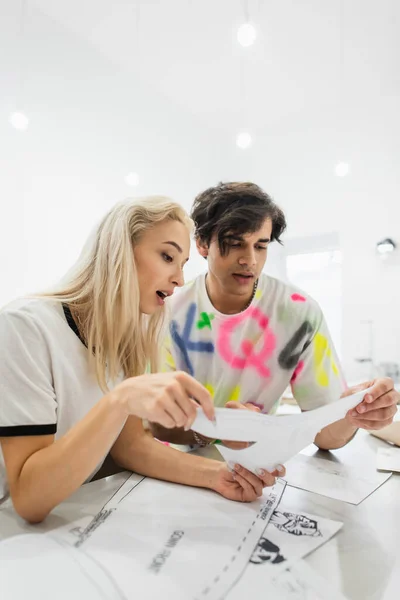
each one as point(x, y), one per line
point(234, 244)
point(261, 247)
point(167, 257)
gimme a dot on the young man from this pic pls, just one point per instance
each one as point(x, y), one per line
point(247, 336)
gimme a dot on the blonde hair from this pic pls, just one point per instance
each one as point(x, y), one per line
point(102, 290)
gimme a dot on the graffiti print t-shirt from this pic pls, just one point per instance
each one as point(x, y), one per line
point(281, 339)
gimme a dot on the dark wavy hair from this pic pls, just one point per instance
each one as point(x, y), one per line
point(234, 208)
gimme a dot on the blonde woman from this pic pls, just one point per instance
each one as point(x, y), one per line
point(73, 382)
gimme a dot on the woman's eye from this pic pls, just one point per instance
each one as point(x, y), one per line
point(167, 257)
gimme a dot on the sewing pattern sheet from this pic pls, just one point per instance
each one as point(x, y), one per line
point(333, 479)
point(152, 538)
point(55, 569)
point(194, 544)
point(276, 438)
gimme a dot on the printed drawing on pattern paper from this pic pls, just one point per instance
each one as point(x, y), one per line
point(295, 524)
point(266, 551)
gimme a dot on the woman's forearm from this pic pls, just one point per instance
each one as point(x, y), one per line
point(53, 473)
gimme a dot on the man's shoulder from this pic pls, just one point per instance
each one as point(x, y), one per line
point(284, 296)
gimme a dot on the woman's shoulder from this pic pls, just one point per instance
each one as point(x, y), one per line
point(31, 312)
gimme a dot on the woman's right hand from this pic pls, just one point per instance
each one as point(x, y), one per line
point(165, 398)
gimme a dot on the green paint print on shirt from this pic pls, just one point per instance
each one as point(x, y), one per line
point(205, 320)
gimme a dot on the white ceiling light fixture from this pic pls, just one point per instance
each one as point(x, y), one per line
point(246, 34)
point(386, 246)
point(244, 140)
point(342, 169)
point(19, 121)
point(132, 179)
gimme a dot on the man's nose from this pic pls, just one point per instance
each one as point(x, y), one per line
point(248, 258)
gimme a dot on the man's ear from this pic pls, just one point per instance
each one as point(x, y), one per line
point(202, 248)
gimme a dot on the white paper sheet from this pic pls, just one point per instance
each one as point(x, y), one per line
point(277, 438)
point(39, 567)
point(288, 538)
point(171, 532)
point(391, 433)
point(388, 459)
point(333, 479)
point(152, 539)
point(301, 582)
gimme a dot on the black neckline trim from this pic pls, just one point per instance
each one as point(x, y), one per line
point(71, 322)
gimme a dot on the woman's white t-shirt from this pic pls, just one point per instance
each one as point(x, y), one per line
point(46, 385)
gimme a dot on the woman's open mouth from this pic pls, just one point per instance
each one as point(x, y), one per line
point(161, 297)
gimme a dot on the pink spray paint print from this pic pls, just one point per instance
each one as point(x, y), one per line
point(249, 357)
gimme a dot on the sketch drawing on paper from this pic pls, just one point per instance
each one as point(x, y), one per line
point(266, 551)
point(295, 524)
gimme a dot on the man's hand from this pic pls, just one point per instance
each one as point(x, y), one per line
point(377, 408)
point(242, 485)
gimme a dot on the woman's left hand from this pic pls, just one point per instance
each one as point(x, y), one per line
point(242, 485)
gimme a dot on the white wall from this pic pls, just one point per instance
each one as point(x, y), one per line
point(91, 124)
point(297, 167)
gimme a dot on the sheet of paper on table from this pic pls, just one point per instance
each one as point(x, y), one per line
point(301, 582)
point(391, 433)
point(333, 479)
point(39, 566)
point(277, 438)
point(153, 538)
point(388, 459)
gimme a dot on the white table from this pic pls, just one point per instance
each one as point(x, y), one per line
point(364, 557)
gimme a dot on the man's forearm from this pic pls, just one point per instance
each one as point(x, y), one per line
point(336, 435)
point(175, 436)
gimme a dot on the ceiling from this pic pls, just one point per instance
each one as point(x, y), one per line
point(313, 59)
